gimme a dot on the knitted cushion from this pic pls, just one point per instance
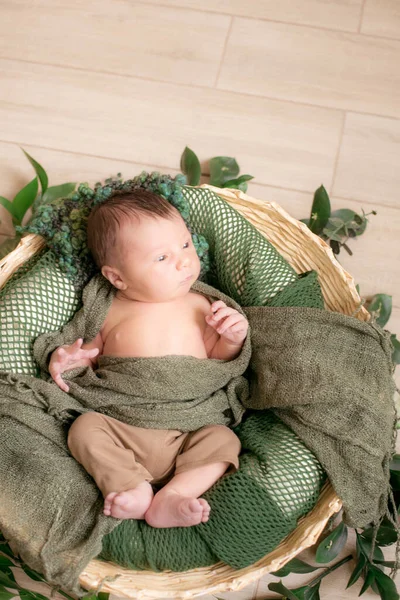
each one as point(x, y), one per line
point(37, 299)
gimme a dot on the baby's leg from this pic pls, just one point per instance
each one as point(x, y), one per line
point(107, 449)
point(206, 456)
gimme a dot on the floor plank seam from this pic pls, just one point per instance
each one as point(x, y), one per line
point(228, 35)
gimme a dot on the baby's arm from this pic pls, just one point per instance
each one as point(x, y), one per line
point(77, 354)
point(232, 329)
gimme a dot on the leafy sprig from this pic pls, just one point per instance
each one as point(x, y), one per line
point(224, 171)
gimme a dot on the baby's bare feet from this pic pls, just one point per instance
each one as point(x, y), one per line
point(130, 504)
point(170, 509)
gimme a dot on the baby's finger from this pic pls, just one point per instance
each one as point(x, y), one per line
point(229, 322)
point(223, 312)
point(61, 383)
point(90, 353)
point(78, 344)
point(216, 305)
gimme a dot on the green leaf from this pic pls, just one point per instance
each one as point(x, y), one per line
point(103, 595)
point(24, 200)
point(27, 595)
point(385, 536)
point(235, 183)
point(222, 169)
point(362, 561)
point(386, 563)
point(8, 205)
point(58, 191)
point(396, 349)
point(295, 566)
point(330, 547)
point(386, 586)
point(352, 221)
point(40, 172)
point(7, 579)
point(300, 592)
point(365, 546)
point(279, 588)
point(5, 248)
point(5, 562)
point(320, 210)
point(190, 166)
point(380, 308)
point(4, 547)
point(369, 580)
point(5, 595)
point(312, 593)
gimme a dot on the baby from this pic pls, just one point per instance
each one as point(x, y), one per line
point(143, 247)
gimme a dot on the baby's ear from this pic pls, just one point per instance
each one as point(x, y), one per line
point(114, 277)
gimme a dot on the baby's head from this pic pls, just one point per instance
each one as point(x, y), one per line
point(143, 247)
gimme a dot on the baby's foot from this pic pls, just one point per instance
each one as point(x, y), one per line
point(130, 504)
point(170, 509)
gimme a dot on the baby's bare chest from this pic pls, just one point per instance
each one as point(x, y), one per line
point(157, 329)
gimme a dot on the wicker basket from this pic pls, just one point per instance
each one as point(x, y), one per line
point(304, 251)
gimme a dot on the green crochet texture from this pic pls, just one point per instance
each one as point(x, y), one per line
point(63, 222)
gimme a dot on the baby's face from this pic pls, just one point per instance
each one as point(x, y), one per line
point(157, 261)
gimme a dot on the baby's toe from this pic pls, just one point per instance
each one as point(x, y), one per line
point(108, 502)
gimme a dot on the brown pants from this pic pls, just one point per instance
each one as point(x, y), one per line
point(120, 456)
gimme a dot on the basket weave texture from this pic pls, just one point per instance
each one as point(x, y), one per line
point(304, 251)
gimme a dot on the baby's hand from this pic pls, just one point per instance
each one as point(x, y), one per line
point(228, 322)
point(66, 358)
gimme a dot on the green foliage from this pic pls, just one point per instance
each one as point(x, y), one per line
point(334, 227)
point(332, 545)
point(190, 166)
point(29, 197)
point(380, 308)
point(224, 171)
point(309, 591)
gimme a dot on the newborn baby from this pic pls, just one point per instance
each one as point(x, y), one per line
point(143, 247)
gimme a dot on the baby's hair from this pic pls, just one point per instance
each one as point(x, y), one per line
point(106, 219)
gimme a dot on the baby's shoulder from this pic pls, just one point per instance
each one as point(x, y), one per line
point(199, 300)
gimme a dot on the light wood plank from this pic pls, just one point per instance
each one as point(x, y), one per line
point(168, 44)
point(142, 121)
point(335, 14)
point(303, 64)
point(381, 18)
point(368, 167)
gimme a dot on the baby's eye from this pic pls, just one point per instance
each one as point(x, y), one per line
point(186, 245)
point(161, 258)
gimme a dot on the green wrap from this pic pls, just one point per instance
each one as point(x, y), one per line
point(326, 375)
point(167, 392)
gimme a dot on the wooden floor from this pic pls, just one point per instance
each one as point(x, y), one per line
point(301, 92)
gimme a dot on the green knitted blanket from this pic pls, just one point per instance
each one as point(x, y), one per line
point(326, 375)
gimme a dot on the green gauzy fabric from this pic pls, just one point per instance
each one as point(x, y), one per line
point(166, 392)
point(329, 377)
point(51, 511)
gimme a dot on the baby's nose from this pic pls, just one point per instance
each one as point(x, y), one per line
point(182, 262)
